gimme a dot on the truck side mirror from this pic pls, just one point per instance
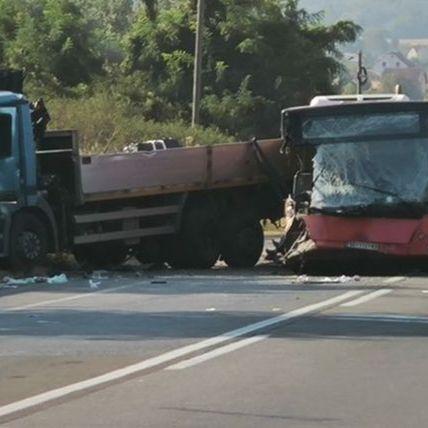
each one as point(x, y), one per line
point(5, 135)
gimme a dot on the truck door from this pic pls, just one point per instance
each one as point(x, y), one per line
point(9, 160)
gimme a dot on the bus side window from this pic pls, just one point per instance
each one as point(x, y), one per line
point(5, 135)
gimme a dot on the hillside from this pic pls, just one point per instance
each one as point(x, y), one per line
point(397, 18)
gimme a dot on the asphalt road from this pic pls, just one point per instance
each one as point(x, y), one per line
point(219, 349)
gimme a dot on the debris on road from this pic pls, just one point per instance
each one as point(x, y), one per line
point(22, 281)
point(58, 279)
point(305, 279)
point(99, 275)
point(341, 279)
point(54, 280)
point(94, 285)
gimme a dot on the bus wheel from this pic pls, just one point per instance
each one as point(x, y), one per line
point(100, 255)
point(28, 242)
point(243, 244)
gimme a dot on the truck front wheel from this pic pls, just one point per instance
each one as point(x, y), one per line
point(243, 244)
point(28, 242)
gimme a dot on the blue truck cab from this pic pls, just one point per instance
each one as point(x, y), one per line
point(28, 225)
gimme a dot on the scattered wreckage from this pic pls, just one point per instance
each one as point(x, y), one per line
point(360, 193)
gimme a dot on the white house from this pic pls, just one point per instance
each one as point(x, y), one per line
point(391, 61)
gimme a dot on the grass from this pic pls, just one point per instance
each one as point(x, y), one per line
point(272, 230)
point(106, 127)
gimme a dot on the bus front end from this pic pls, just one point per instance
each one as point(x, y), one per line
point(361, 189)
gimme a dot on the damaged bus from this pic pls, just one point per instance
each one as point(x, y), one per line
point(361, 190)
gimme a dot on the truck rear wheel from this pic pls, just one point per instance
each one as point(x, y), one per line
point(151, 251)
point(100, 255)
point(28, 242)
point(197, 245)
point(243, 244)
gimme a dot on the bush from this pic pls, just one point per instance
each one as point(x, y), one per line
point(107, 126)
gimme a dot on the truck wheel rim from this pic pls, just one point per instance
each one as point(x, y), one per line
point(30, 245)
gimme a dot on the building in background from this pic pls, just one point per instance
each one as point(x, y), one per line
point(414, 49)
point(391, 61)
point(393, 68)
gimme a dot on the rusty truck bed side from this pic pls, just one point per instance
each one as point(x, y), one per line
point(124, 175)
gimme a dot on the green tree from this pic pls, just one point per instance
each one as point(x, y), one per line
point(51, 40)
point(110, 19)
point(260, 56)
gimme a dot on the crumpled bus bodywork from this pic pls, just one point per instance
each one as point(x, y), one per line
point(362, 184)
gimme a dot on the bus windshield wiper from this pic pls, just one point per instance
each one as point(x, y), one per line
point(375, 189)
point(411, 206)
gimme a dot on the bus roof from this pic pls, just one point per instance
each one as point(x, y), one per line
point(345, 99)
point(366, 107)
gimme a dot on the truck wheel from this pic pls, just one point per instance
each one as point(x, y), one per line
point(28, 242)
point(197, 245)
point(100, 255)
point(151, 251)
point(243, 244)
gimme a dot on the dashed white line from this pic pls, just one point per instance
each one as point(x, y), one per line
point(168, 357)
point(216, 353)
point(367, 298)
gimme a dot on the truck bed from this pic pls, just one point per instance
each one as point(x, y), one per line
point(176, 170)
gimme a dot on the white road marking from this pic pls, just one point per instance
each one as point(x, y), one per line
point(425, 291)
point(384, 318)
point(69, 298)
point(216, 353)
point(367, 298)
point(394, 279)
point(168, 356)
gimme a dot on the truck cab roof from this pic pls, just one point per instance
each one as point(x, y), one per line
point(9, 99)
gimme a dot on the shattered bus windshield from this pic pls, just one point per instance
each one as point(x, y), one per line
point(368, 160)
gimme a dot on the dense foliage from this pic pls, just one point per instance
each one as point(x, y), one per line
point(259, 56)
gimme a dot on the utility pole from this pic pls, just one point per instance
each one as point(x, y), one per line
point(362, 75)
point(197, 74)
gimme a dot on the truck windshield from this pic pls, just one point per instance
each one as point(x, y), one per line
point(370, 160)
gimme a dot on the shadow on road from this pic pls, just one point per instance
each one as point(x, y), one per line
point(126, 326)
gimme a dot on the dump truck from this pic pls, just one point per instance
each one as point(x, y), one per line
point(360, 194)
point(184, 206)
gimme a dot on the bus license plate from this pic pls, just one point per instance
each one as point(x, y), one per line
point(368, 246)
